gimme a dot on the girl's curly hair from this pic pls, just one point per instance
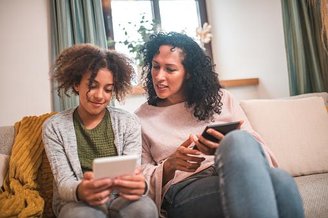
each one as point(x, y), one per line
point(202, 88)
point(79, 59)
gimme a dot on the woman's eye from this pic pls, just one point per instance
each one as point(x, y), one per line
point(109, 90)
point(155, 67)
point(170, 70)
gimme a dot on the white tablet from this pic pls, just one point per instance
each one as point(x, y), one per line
point(114, 166)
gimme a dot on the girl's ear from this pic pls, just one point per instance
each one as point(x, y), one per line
point(76, 88)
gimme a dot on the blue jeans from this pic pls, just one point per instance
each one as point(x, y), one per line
point(118, 208)
point(240, 184)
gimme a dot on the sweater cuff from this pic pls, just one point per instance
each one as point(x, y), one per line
point(76, 196)
point(146, 189)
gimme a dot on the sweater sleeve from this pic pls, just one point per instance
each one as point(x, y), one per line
point(153, 173)
point(132, 137)
point(64, 177)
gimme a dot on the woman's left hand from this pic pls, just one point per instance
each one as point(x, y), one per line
point(206, 146)
point(130, 187)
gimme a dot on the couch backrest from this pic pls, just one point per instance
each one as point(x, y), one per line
point(6, 139)
point(296, 130)
point(323, 95)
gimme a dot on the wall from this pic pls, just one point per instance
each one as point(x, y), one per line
point(24, 59)
point(249, 42)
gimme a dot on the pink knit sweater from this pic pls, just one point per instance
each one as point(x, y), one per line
point(165, 128)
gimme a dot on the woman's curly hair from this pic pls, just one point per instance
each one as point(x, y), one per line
point(79, 59)
point(202, 88)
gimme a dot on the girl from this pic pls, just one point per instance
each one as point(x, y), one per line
point(73, 138)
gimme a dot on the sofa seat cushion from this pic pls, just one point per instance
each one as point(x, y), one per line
point(296, 130)
point(314, 192)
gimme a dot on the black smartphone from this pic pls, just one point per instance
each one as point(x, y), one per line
point(223, 128)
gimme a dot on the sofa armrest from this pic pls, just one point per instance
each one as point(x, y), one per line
point(7, 134)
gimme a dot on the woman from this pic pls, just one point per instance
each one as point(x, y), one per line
point(235, 177)
point(73, 138)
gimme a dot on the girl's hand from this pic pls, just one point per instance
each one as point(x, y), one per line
point(130, 187)
point(94, 191)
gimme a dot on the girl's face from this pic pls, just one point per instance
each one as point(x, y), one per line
point(94, 102)
point(169, 75)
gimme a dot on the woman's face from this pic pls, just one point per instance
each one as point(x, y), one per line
point(169, 74)
point(93, 102)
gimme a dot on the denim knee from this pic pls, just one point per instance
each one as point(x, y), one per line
point(148, 208)
point(282, 178)
point(80, 209)
point(239, 146)
point(144, 207)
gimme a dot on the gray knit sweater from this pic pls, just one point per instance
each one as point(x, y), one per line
point(59, 139)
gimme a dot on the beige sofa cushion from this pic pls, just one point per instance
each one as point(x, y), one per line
point(4, 159)
point(7, 134)
point(295, 129)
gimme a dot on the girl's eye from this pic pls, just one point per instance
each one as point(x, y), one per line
point(93, 85)
point(109, 90)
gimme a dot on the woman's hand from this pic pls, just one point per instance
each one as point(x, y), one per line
point(130, 187)
point(207, 146)
point(94, 191)
point(184, 159)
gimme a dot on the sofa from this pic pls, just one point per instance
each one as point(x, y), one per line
point(295, 128)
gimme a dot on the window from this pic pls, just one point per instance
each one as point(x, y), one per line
point(123, 17)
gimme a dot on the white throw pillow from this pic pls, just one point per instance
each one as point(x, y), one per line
point(3, 167)
point(296, 130)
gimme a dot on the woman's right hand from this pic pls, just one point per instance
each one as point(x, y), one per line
point(184, 159)
point(94, 191)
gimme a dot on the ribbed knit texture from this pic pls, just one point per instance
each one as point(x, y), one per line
point(20, 197)
point(94, 143)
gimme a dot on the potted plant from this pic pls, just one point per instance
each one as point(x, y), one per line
point(144, 28)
